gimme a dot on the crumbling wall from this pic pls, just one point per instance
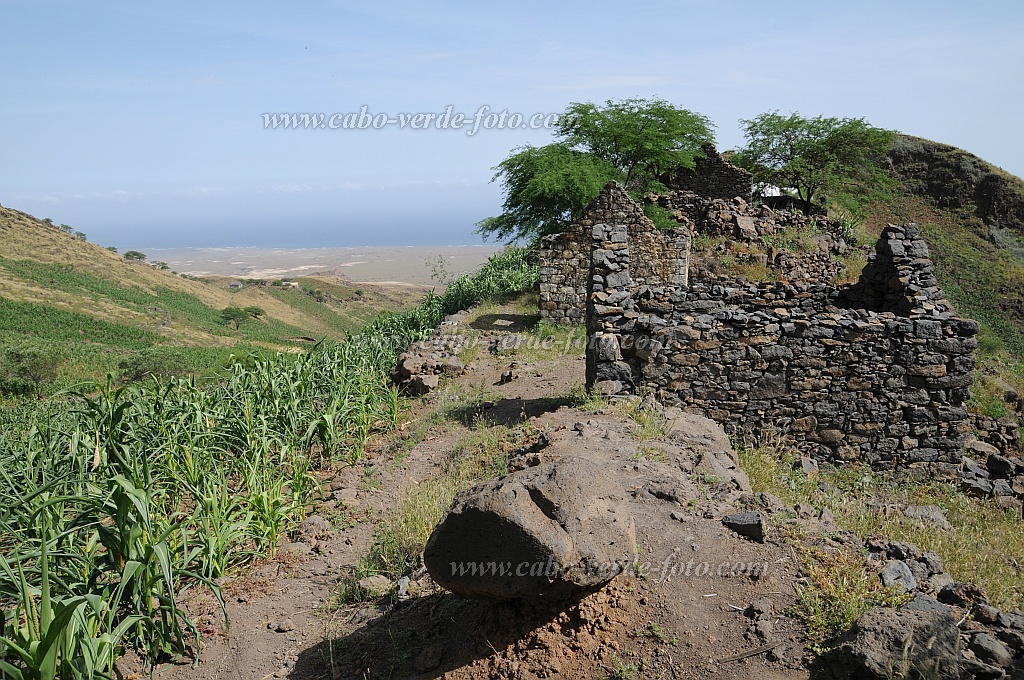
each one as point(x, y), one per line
point(875, 385)
point(662, 256)
point(899, 277)
point(712, 177)
point(564, 267)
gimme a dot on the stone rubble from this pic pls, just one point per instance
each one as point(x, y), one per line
point(419, 370)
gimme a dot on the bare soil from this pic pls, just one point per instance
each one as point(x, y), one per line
point(664, 620)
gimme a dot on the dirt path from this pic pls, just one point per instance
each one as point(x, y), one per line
point(663, 622)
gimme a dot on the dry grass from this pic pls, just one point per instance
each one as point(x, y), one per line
point(400, 537)
point(25, 238)
point(853, 264)
point(842, 587)
point(648, 423)
point(985, 545)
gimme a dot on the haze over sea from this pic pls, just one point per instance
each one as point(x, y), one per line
point(141, 124)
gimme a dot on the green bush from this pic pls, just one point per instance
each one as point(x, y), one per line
point(152, 363)
point(661, 217)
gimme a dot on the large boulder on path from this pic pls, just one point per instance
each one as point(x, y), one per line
point(547, 532)
point(899, 643)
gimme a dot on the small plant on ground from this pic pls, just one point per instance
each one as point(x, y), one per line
point(648, 423)
point(653, 631)
point(651, 453)
point(622, 670)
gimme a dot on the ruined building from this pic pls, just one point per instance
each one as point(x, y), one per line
point(876, 371)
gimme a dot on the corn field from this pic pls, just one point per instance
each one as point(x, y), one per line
point(115, 501)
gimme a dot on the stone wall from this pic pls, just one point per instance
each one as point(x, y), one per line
point(886, 386)
point(662, 255)
point(899, 277)
point(564, 267)
point(712, 177)
point(1004, 434)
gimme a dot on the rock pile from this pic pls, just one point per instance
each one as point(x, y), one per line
point(1004, 433)
point(994, 476)
point(948, 629)
point(420, 368)
point(738, 218)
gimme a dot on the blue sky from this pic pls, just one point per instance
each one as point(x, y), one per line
point(141, 123)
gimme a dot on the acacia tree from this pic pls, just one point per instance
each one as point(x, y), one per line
point(546, 188)
point(632, 141)
point(813, 155)
point(234, 315)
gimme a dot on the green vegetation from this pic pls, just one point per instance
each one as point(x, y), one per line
point(985, 545)
point(117, 500)
point(134, 255)
point(633, 141)
point(654, 631)
point(622, 670)
point(169, 303)
point(842, 587)
point(31, 363)
point(661, 217)
point(234, 315)
point(58, 326)
point(814, 155)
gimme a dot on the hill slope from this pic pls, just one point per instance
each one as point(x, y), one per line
point(971, 213)
point(57, 289)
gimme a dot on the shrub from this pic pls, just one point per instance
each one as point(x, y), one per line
point(151, 363)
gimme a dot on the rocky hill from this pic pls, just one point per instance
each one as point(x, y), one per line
point(957, 180)
point(972, 216)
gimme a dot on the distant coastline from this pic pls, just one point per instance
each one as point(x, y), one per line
point(407, 264)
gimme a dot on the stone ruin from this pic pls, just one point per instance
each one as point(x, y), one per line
point(663, 256)
point(878, 371)
point(712, 200)
point(712, 176)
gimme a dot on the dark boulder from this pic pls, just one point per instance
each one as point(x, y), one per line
point(551, 531)
point(891, 643)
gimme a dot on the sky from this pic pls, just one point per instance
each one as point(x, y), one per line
point(142, 124)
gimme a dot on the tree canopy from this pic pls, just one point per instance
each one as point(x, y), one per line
point(632, 141)
point(33, 363)
point(813, 155)
point(234, 315)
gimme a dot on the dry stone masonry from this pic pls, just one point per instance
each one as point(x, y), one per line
point(712, 176)
point(884, 383)
point(662, 256)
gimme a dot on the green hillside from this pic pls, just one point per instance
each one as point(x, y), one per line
point(972, 215)
point(91, 309)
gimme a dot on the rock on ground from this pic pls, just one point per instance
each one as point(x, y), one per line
point(891, 643)
point(549, 531)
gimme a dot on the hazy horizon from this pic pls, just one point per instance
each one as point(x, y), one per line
point(143, 125)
